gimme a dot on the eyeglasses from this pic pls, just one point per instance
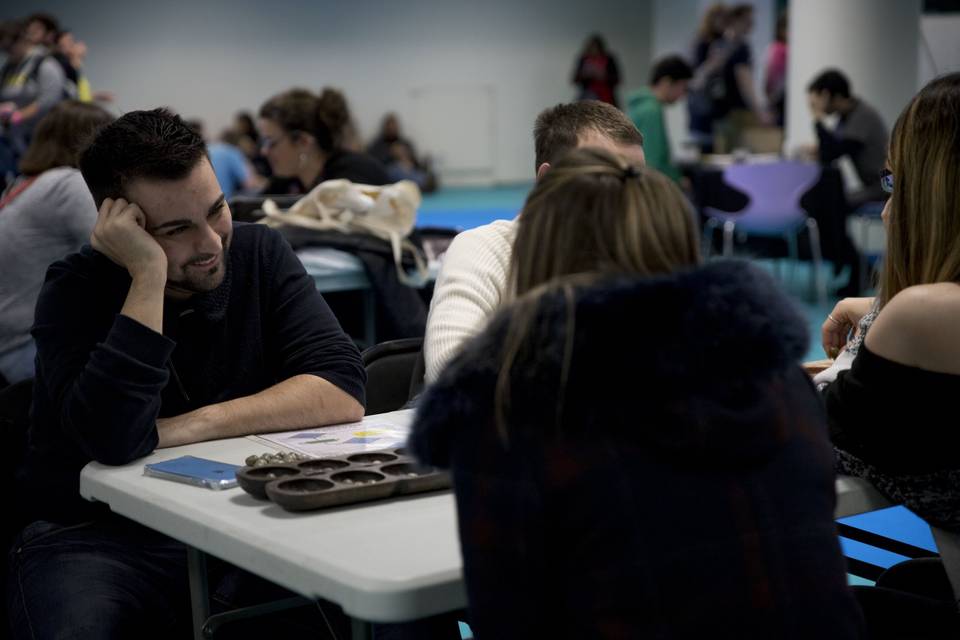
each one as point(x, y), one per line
point(886, 180)
point(267, 143)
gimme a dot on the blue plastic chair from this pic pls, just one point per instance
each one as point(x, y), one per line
point(774, 211)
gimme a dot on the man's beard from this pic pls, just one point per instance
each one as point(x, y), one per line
point(206, 280)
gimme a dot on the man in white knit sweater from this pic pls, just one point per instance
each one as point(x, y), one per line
point(473, 280)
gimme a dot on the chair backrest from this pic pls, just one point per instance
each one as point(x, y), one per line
point(774, 190)
point(250, 208)
point(435, 240)
point(390, 367)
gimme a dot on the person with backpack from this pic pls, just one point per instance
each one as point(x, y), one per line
point(32, 82)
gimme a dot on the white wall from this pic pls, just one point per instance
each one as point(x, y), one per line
point(939, 46)
point(875, 42)
point(207, 59)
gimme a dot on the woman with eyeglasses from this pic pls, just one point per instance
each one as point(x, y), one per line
point(635, 451)
point(887, 412)
point(892, 411)
point(299, 138)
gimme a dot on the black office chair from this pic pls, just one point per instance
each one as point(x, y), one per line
point(435, 240)
point(250, 208)
point(15, 403)
point(390, 371)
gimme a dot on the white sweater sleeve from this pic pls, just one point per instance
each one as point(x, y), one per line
point(470, 288)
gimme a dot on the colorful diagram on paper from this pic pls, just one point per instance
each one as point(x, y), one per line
point(342, 439)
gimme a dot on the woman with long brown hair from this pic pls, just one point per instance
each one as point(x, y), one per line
point(635, 451)
point(890, 411)
point(45, 214)
point(886, 412)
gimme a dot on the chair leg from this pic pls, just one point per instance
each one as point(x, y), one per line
point(709, 227)
point(817, 280)
point(729, 226)
point(794, 256)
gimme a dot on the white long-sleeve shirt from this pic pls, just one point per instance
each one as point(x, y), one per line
point(471, 286)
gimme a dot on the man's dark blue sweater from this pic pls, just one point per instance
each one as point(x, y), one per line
point(103, 379)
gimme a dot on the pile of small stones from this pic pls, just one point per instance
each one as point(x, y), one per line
point(278, 457)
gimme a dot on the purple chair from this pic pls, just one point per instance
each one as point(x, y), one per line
point(774, 211)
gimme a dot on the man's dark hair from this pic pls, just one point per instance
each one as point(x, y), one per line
point(49, 22)
point(558, 129)
point(673, 67)
point(153, 144)
point(833, 82)
point(739, 11)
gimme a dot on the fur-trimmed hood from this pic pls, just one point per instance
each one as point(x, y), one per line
point(702, 363)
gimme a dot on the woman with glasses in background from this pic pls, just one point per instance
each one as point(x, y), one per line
point(892, 412)
point(299, 137)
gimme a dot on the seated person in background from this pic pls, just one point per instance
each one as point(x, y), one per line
point(632, 441)
point(397, 154)
point(472, 283)
point(31, 84)
point(668, 84)
point(889, 412)
point(174, 326)
point(244, 179)
point(860, 134)
point(230, 165)
point(71, 54)
point(299, 142)
point(46, 214)
point(248, 139)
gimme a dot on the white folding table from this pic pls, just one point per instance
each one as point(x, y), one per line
point(390, 561)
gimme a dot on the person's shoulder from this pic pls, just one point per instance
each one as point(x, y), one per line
point(251, 234)
point(642, 101)
point(357, 167)
point(868, 111)
point(496, 236)
point(48, 64)
point(357, 158)
point(57, 188)
point(60, 176)
point(484, 249)
point(918, 327)
point(86, 266)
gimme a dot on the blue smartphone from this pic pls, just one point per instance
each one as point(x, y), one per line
point(196, 471)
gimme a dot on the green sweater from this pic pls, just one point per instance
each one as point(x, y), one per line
point(647, 113)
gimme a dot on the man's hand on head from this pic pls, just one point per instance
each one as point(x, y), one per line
point(121, 235)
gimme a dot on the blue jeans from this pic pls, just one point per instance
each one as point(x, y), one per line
point(114, 578)
point(104, 579)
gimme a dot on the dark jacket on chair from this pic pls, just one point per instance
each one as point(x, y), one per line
point(681, 487)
